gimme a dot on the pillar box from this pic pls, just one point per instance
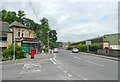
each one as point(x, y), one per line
point(32, 53)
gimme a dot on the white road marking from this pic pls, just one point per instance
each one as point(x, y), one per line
point(56, 60)
point(94, 63)
point(84, 78)
point(52, 61)
point(79, 76)
point(36, 65)
point(65, 72)
point(33, 71)
point(55, 55)
point(69, 75)
point(31, 65)
point(27, 66)
point(77, 57)
point(60, 67)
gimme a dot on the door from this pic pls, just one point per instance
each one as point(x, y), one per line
point(31, 46)
point(25, 47)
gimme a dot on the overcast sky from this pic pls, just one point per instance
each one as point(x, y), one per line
point(74, 20)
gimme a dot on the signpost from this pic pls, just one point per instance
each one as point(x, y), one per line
point(88, 43)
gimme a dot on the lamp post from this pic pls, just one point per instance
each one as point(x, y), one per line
point(48, 39)
point(14, 49)
point(88, 43)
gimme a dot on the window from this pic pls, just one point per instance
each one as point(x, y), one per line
point(3, 48)
point(22, 33)
point(19, 33)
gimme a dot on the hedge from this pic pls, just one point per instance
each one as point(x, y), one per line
point(9, 52)
point(83, 47)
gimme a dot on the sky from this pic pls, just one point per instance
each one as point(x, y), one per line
point(74, 20)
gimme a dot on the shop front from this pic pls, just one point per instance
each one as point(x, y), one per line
point(27, 46)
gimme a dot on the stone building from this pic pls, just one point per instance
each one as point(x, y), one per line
point(5, 35)
point(24, 37)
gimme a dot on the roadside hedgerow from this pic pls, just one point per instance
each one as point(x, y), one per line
point(9, 52)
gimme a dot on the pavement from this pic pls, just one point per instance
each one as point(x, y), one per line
point(63, 65)
point(37, 57)
point(101, 56)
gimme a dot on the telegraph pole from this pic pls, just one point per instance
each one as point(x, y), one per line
point(48, 40)
point(87, 47)
point(14, 47)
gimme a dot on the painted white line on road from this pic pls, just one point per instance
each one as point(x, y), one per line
point(69, 75)
point(30, 71)
point(52, 61)
point(36, 65)
point(94, 63)
point(55, 55)
point(60, 67)
point(79, 76)
point(56, 61)
point(77, 57)
point(27, 66)
point(65, 72)
point(84, 78)
point(31, 65)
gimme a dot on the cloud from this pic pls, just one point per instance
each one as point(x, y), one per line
point(74, 20)
point(62, 19)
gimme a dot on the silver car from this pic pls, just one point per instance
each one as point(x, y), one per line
point(75, 50)
point(55, 50)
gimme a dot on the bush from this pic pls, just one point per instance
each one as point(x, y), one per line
point(70, 47)
point(82, 47)
point(92, 47)
point(9, 52)
point(95, 47)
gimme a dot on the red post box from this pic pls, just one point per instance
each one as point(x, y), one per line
point(32, 53)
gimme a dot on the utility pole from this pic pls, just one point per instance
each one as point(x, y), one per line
point(87, 47)
point(48, 40)
point(14, 47)
point(88, 43)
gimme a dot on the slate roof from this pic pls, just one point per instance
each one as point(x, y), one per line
point(17, 24)
point(4, 27)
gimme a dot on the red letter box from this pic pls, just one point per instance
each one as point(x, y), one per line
point(32, 53)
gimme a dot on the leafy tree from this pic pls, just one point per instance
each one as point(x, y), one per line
point(21, 15)
point(9, 52)
point(44, 29)
point(44, 22)
point(53, 38)
point(8, 16)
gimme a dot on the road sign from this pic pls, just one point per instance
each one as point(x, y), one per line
point(88, 42)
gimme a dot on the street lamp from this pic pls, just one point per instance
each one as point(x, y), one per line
point(88, 43)
point(14, 49)
point(48, 39)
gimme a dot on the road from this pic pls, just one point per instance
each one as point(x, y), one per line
point(63, 66)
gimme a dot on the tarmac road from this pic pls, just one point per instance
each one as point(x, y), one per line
point(63, 66)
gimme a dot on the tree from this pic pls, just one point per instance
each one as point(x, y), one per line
point(44, 21)
point(9, 52)
point(53, 38)
point(8, 16)
point(44, 29)
point(2, 14)
point(21, 15)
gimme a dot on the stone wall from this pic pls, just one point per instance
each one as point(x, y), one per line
point(109, 52)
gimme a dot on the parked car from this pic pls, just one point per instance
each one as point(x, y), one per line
point(75, 50)
point(55, 50)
